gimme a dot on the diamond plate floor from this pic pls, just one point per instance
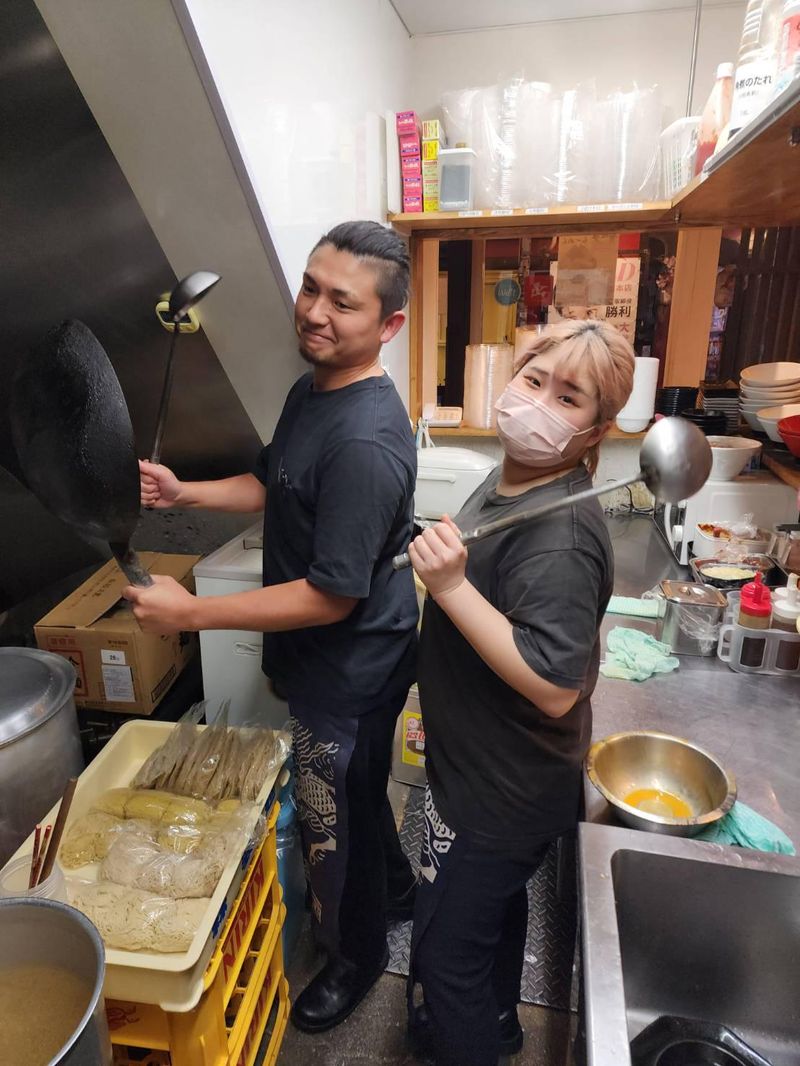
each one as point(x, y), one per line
point(552, 909)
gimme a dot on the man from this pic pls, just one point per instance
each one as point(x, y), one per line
point(339, 623)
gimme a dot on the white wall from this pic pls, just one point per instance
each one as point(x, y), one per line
point(134, 68)
point(647, 48)
point(304, 87)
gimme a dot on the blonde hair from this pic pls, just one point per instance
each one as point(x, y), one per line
point(600, 352)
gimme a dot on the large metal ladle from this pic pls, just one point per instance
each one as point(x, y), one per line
point(674, 461)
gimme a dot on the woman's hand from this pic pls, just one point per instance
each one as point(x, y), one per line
point(439, 557)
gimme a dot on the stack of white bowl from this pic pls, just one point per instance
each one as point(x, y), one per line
point(769, 392)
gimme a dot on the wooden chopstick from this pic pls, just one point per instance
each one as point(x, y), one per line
point(37, 839)
point(40, 855)
point(58, 830)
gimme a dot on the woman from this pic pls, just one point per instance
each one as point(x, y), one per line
point(508, 661)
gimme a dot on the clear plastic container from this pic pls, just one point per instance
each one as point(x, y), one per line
point(14, 882)
point(456, 165)
point(716, 115)
point(753, 83)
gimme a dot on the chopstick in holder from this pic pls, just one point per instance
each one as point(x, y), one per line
point(37, 837)
point(58, 830)
point(40, 855)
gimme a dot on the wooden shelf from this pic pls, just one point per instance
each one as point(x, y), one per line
point(444, 224)
point(782, 470)
point(471, 431)
point(755, 181)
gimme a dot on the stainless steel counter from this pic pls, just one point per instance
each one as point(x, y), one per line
point(751, 723)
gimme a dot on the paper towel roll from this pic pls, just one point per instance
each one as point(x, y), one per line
point(487, 371)
point(638, 411)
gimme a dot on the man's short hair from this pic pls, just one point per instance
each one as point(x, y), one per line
point(381, 248)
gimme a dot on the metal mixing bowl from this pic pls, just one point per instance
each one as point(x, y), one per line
point(625, 762)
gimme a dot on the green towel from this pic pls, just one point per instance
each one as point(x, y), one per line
point(635, 656)
point(747, 829)
point(634, 607)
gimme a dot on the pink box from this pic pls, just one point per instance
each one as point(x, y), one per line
point(407, 122)
point(412, 187)
point(412, 204)
point(409, 144)
point(411, 166)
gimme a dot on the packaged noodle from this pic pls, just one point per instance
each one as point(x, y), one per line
point(135, 920)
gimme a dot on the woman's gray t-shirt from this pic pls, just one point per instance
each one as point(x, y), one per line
point(499, 768)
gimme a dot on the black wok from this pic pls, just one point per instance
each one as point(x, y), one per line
point(74, 440)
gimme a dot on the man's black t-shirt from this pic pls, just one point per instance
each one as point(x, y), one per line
point(340, 474)
point(498, 767)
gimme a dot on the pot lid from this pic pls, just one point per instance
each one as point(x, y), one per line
point(33, 686)
point(693, 593)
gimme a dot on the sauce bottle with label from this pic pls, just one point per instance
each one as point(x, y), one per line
point(755, 612)
point(785, 615)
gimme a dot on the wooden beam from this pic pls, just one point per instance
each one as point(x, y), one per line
point(424, 323)
point(476, 292)
point(692, 304)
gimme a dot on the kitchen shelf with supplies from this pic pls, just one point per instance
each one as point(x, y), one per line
point(753, 182)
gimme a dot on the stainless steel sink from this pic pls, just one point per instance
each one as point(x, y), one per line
point(673, 926)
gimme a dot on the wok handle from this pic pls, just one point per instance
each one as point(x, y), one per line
point(130, 566)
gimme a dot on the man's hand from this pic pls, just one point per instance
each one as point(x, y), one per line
point(439, 557)
point(159, 486)
point(165, 607)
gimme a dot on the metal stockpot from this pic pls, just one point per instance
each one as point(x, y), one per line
point(692, 617)
point(40, 747)
point(44, 932)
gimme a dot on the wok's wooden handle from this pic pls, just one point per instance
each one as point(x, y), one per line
point(130, 566)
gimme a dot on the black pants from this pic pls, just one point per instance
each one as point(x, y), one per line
point(469, 945)
point(350, 843)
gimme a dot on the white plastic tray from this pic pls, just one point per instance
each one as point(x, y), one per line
point(174, 981)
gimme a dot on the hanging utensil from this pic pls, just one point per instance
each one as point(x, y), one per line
point(675, 461)
point(74, 440)
point(189, 291)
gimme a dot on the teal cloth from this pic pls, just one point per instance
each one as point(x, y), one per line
point(746, 828)
point(635, 656)
point(636, 608)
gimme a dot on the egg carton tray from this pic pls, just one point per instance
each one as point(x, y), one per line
point(173, 981)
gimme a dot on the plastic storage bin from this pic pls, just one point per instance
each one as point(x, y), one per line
point(291, 873)
point(245, 993)
point(231, 659)
point(446, 478)
point(776, 643)
point(456, 184)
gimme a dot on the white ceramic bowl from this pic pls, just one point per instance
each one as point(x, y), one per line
point(632, 425)
point(771, 374)
point(729, 456)
point(769, 417)
point(778, 395)
point(752, 420)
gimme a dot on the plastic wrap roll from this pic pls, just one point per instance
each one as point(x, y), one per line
point(488, 369)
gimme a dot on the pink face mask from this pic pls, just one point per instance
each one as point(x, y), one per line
point(529, 431)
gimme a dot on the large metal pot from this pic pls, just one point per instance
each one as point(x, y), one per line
point(46, 933)
point(40, 746)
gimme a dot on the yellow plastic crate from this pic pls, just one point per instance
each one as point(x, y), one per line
point(245, 989)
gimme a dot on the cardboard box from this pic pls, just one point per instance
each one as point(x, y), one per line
point(411, 167)
point(412, 204)
point(430, 150)
point(430, 170)
point(430, 203)
point(432, 130)
point(409, 144)
point(118, 667)
point(412, 186)
point(406, 122)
